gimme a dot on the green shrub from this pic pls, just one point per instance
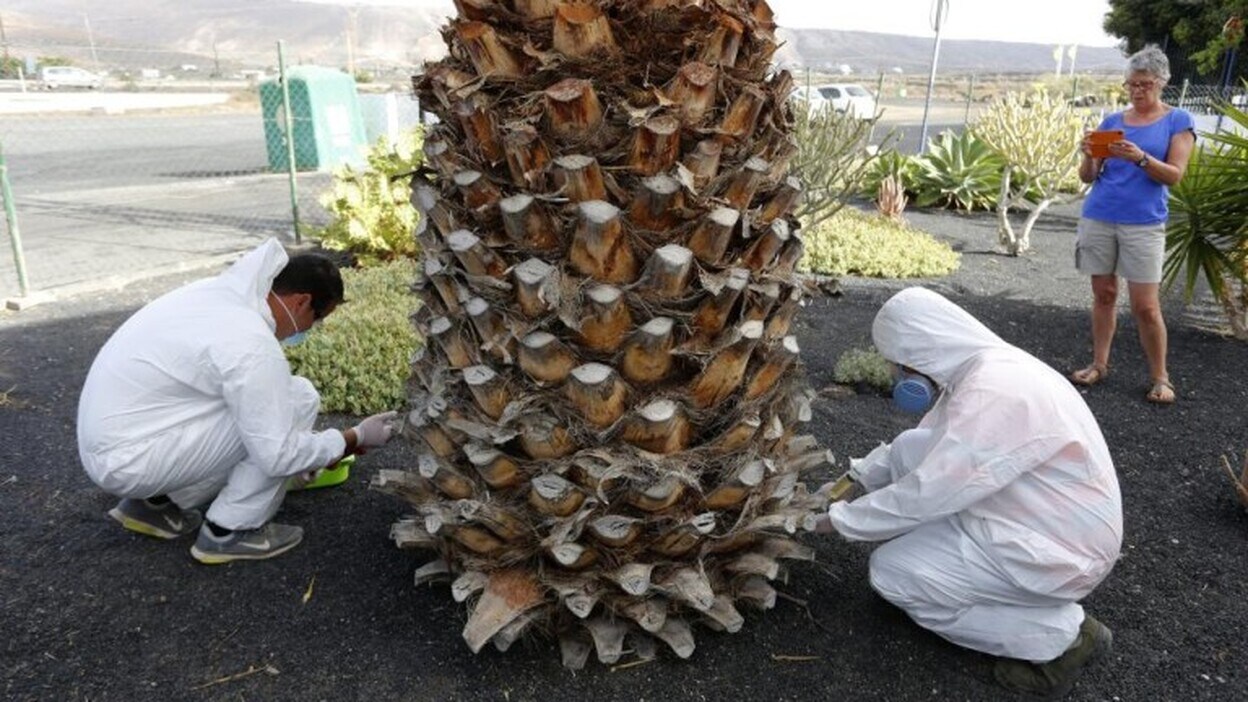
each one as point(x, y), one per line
point(868, 367)
point(372, 212)
point(890, 163)
point(833, 156)
point(359, 358)
point(855, 243)
point(958, 170)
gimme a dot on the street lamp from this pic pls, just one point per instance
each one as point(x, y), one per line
point(940, 10)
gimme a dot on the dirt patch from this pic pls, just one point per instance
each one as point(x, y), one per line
point(90, 611)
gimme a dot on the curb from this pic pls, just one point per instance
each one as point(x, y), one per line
point(114, 282)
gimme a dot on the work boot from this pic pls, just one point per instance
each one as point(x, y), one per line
point(163, 521)
point(251, 545)
point(1054, 679)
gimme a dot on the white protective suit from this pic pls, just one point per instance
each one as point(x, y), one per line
point(1003, 507)
point(192, 397)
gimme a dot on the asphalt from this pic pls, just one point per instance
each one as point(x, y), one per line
point(100, 239)
point(100, 227)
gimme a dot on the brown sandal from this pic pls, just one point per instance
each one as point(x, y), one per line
point(1162, 393)
point(1089, 376)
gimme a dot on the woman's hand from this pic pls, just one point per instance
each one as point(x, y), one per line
point(1126, 151)
point(1086, 145)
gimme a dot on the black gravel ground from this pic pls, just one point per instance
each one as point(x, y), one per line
point(90, 611)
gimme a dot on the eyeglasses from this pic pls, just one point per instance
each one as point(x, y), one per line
point(1139, 85)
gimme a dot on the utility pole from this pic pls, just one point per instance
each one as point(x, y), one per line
point(4, 70)
point(353, 16)
point(940, 10)
point(4, 39)
point(95, 60)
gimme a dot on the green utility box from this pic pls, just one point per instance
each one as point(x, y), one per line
point(325, 115)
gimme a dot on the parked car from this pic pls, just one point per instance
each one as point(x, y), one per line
point(53, 77)
point(847, 98)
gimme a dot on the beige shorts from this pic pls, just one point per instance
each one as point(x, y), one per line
point(1133, 251)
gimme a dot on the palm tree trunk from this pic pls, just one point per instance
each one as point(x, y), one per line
point(608, 409)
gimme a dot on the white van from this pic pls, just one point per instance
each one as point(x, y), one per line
point(53, 77)
point(848, 98)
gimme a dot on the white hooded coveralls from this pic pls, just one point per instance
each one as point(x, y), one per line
point(192, 397)
point(1002, 508)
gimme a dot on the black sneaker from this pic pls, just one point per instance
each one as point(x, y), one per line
point(1054, 679)
point(166, 521)
point(252, 545)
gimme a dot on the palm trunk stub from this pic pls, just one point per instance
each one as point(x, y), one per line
point(606, 406)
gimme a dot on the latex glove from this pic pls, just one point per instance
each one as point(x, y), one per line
point(300, 480)
point(374, 431)
point(823, 525)
point(845, 488)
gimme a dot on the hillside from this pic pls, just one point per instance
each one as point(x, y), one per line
point(868, 52)
point(158, 33)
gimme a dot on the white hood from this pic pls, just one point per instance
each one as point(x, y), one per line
point(252, 275)
point(923, 330)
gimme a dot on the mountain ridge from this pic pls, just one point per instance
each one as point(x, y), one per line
point(131, 33)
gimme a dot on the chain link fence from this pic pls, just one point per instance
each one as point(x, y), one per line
point(1202, 99)
point(172, 176)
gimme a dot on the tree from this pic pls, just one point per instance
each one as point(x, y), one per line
point(1195, 26)
point(1038, 137)
point(606, 410)
point(54, 61)
point(11, 67)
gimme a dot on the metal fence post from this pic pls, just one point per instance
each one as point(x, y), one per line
point(1183, 93)
point(289, 121)
point(10, 216)
point(970, 95)
point(1225, 92)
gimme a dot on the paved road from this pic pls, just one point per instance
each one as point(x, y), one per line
point(106, 197)
point(50, 154)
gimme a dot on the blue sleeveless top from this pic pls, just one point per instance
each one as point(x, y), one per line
point(1124, 194)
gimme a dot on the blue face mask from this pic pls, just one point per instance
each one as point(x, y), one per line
point(299, 335)
point(913, 393)
point(296, 338)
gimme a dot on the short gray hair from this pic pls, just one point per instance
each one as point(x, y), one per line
point(1150, 59)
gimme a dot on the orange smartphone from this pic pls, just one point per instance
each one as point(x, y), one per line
point(1100, 141)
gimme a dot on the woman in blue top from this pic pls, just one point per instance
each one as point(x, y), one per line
point(1123, 227)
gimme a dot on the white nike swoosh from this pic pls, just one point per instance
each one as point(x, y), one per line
point(262, 546)
point(175, 522)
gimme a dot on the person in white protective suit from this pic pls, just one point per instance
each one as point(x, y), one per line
point(191, 400)
point(1000, 511)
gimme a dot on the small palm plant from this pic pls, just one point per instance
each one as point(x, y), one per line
point(1207, 238)
point(891, 198)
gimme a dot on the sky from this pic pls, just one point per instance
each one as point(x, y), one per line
point(1043, 22)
